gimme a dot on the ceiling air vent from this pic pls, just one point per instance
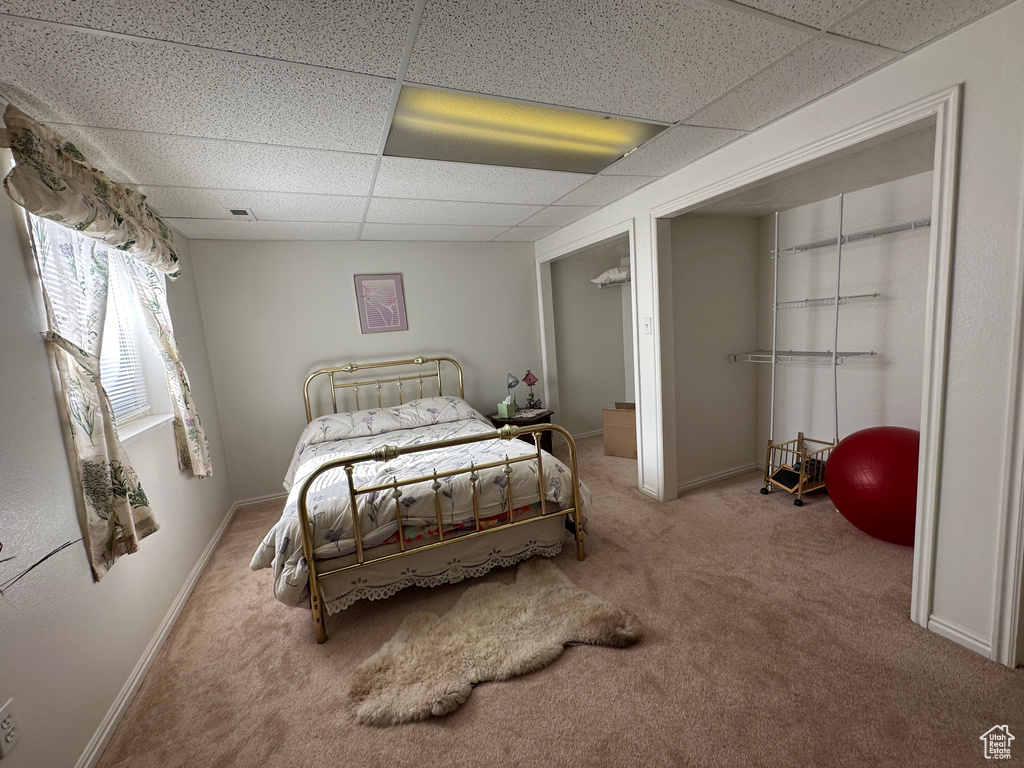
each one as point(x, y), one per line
point(241, 214)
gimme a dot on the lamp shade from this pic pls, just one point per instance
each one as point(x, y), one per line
point(512, 382)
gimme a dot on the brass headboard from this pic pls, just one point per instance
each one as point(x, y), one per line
point(398, 379)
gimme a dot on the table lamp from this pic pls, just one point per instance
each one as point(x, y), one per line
point(508, 408)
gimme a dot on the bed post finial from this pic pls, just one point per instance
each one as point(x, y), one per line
point(508, 432)
point(385, 453)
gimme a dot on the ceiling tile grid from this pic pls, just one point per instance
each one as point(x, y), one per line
point(434, 180)
point(603, 189)
point(397, 210)
point(211, 163)
point(196, 203)
point(208, 229)
point(905, 24)
point(525, 234)
point(559, 215)
point(649, 60)
point(818, 14)
point(366, 36)
point(672, 149)
point(130, 85)
point(283, 108)
point(373, 231)
point(812, 71)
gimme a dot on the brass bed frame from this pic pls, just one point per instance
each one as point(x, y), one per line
point(388, 452)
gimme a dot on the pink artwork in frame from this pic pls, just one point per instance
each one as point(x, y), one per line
point(381, 303)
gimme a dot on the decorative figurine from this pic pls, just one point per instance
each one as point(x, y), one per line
point(532, 401)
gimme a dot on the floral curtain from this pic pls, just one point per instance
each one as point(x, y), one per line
point(117, 513)
point(149, 289)
point(52, 179)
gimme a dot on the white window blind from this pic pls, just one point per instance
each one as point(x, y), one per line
point(120, 366)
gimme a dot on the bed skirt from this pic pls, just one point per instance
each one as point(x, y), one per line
point(452, 563)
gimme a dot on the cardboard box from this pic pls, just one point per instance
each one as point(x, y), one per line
point(620, 430)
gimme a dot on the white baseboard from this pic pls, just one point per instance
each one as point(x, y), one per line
point(117, 710)
point(725, 475)
point(582, 435)
point(260, 500)
point(958, 634)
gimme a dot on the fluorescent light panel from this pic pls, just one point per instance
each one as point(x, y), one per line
point(457, 127)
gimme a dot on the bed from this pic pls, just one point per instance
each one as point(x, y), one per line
point(418, 492)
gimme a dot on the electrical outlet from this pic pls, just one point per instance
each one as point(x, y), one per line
point(9, 730)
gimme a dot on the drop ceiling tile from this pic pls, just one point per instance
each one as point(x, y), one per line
point(432, 180)
point(671, 150)
point(559, 215)
point(217, 229)
point(429, 232)
point(906, 24)
point(601, 190)
point(368, 36)
point(195, 203)
point(175, 161)
point(819, 67)
point(401, 211)
point(526, 234)
point(818, 14)
point(647, 59)
point(130, 85)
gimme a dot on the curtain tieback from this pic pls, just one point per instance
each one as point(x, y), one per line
point(90, 363)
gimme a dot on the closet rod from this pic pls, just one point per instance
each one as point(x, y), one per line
point(795, 356)
point(827, 301)
point(865, 234)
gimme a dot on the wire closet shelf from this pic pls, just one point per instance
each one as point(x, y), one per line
point(798, 466)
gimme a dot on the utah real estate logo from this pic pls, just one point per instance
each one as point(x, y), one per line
point(997, 742)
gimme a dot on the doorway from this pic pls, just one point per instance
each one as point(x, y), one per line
point(942, 112)
point(589, 329)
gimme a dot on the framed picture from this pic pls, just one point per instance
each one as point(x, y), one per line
point(381, 303)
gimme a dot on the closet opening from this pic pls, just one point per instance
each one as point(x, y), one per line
point(762, 357)
point(735, 303)
point(836, 370)
point(592, 326)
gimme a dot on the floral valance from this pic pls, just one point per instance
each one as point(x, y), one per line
point(52, 179)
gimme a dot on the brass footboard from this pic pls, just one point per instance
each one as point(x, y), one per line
point(389, 452)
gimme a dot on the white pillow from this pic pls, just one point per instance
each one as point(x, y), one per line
point(612, 275)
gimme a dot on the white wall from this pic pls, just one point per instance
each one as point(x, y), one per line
point(629, 369)
point(986, 58)
point(715, 301)
point(67, 645)
point(884, 389)
point(276, 311)
point(588, 337)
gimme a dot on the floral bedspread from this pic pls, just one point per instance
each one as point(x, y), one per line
point(414, 423)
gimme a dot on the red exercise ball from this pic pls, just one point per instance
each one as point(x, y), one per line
point(871, 477)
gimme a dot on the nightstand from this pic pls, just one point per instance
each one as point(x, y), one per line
point(540, 417)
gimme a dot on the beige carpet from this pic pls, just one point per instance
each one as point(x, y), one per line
point(774, 636)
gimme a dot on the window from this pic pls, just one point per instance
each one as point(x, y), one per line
point(120, 363)
point(121, 368)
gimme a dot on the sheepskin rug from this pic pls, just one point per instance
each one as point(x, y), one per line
point(494, 632)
